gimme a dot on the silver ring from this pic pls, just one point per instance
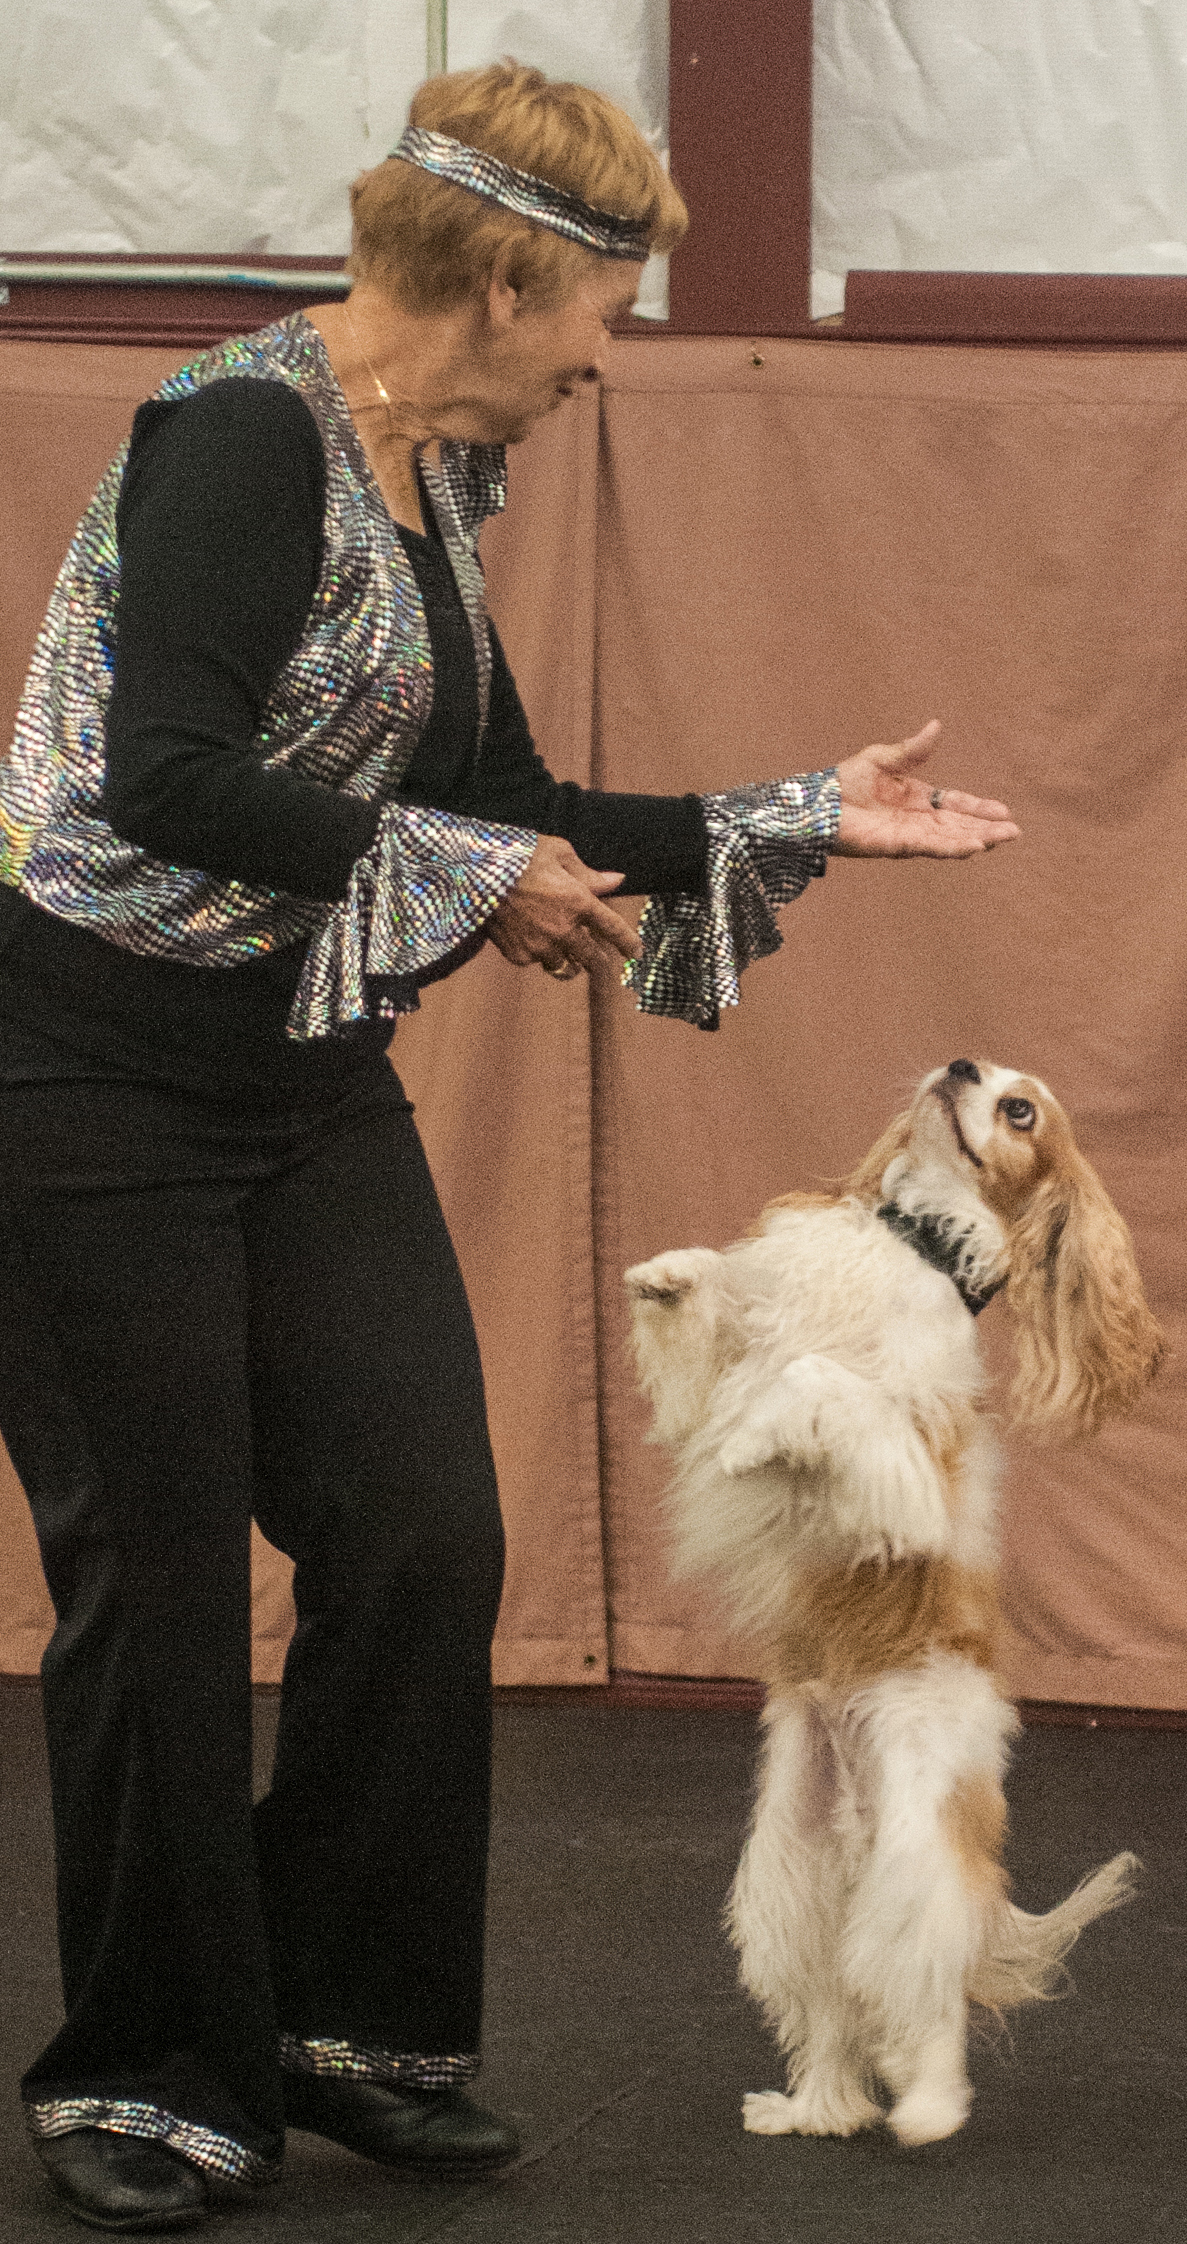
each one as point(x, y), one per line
point(564, 972)
point(937, 798)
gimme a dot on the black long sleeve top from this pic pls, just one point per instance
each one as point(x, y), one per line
point(219, 527)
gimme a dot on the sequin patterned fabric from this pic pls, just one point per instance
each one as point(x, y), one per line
point(218, 2155)
point(765, 843)
point(523, 193)
point(340, 2060)
point(346, 710)
point(417, 885)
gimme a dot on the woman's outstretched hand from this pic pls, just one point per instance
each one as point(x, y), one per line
point(887, 812)
point(554, 916)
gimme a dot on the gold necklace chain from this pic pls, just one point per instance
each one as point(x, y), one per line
point(393, 434)
point(367, 363)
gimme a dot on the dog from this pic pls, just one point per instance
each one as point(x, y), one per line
point(822, 1385)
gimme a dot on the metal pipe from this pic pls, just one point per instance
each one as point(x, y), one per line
point(436, 37)
point(165, 276)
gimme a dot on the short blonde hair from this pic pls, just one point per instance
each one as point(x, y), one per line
point(431, 244)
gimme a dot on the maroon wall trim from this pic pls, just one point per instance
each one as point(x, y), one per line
point(733, 1695)
point(191, 318)
point(726, 1694)
point(1015, 307)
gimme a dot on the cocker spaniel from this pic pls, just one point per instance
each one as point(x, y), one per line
point(822, 1384)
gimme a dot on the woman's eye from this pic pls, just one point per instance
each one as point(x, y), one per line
point(1019, 1113)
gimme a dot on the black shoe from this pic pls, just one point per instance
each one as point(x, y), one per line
point(122, 2181)
point(436, 2130)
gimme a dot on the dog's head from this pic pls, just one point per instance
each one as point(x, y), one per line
point(1087, 1343)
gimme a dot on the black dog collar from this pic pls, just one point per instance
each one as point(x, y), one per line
point(934, 1242)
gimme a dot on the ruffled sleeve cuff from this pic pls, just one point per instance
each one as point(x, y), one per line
point(422, 891)
point(766, 842)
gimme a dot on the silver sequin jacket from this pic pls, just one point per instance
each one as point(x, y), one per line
point(347, 710)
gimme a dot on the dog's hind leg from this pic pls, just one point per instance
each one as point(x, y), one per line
point(825, 2094)
point(916, 1742)
point(785, 1916)
point(908, 1944)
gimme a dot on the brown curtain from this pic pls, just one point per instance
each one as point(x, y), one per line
point(720, 571)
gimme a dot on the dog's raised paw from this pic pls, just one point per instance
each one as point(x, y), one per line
point(667, 1278)
point(811, 2111)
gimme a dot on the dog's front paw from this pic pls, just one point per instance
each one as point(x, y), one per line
point(669, 1278)
point(894, 1513)
point(748, 1450)
point(784, 1422)
point(880, 1548)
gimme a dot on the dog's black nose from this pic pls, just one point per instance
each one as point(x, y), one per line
point(965, 1071)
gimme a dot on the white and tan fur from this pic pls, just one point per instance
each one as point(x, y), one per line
point(822, 1386)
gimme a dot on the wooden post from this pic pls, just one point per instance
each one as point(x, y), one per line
point(741, 139)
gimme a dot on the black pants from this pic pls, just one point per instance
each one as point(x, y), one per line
point(208, 1312)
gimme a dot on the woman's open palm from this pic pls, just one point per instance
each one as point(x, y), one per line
point(886, 811)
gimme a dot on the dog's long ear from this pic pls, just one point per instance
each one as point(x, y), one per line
point(865, 1183)
point(1087, 1343)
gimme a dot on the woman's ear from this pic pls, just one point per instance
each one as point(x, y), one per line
point(502, 295)
point(1087, 1343)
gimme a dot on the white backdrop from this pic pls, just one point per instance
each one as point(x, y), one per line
point(235, 126)
point(193, 125)
point(999, 136)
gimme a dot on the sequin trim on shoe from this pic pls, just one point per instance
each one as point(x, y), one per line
point(219, 2155)
point(341, 2060)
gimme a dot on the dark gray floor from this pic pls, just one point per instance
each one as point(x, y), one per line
point(617, 2038)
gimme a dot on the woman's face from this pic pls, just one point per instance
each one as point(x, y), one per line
point(527, 361)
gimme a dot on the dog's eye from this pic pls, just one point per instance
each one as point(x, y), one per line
point(1019, 1113)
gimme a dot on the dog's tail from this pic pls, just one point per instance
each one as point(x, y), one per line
point(1022, 1959)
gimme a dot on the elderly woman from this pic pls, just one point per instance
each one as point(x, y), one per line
point(271, 774)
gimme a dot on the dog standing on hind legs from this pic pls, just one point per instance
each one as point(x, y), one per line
point(821, 1383)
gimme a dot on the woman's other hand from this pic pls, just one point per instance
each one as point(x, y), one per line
point(554, 916)
point(887, 812)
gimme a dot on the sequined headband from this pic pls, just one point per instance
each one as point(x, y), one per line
point(523, 193)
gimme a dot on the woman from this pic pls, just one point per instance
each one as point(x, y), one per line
point(271, 774)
